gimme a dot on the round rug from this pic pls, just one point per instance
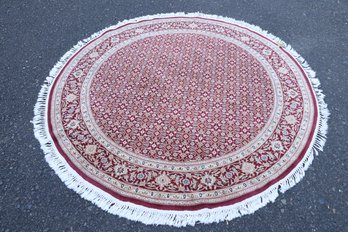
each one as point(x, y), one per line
point(181, 118)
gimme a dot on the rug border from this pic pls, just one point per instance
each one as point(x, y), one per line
point(173, 217)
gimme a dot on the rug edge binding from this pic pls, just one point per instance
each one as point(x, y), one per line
point(174, 218)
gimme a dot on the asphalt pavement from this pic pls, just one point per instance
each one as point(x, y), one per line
point(35, 34)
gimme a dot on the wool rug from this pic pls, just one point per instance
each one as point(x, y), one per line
point(181, 118)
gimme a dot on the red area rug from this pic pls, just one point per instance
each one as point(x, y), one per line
point(177, 119)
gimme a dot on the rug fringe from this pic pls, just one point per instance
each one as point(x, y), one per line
point(174, 218)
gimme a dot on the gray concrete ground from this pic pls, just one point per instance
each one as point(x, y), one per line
point(35, 34)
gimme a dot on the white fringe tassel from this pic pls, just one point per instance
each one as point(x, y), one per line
point(175, 218)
